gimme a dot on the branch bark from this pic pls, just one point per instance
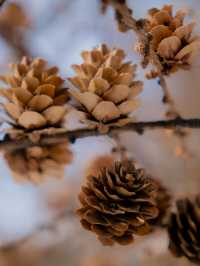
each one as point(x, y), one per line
point(2, 2)
point(139, 127)
point(167, 98)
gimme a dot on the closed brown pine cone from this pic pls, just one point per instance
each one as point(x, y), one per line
point(163, 202)
point(184, 229)
point(172, 40)
point(117, 204)
point(105, 88)
point(35, 96)
point(39, 162)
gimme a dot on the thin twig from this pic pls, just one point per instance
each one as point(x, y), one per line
point(15, 39)
point(2, 2)
point(172, 112)
point(138, 127)
point(49, 227)
point(127, 18)
point(167, 98)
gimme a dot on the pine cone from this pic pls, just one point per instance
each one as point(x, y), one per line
point(39, 162)
point(171, 40)
point(35, 97)
point(105, 87)
point(184, 230)
point(163, 203)
point(117, 204)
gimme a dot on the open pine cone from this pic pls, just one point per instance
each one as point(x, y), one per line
point(39, 162)
point(118, 203)
point(35, 96)
point(184, 229)
point(106, 90)
point(171, 40)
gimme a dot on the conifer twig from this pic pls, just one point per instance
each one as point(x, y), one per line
point(72, 135)
point(2, 2)
point(167, 98)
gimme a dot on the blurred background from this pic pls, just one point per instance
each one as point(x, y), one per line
point(37, 223)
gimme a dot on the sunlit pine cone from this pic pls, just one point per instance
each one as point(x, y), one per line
point(184, 230)
point(38, 163)
point(171, 39)
point(105, 87)
point(118, 203)
point(163, 202)
point(35, 97)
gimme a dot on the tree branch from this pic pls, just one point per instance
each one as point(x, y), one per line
point(139, 127)
point(2, 2)
point(49, 227)
point(167, 98)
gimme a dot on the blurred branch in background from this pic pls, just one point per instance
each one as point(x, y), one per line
point(2, 2)
point(13, 24)
point(31, 249)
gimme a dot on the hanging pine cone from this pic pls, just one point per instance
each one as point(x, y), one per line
point(105, 88)
point(163, 203)
point(171, 40)
point(183, 230)
point(117, 204)
point(39, 162)
point(35, 96)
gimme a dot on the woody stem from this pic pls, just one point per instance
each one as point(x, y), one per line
point(167, 98)
point(2, 2)
point(139, 127)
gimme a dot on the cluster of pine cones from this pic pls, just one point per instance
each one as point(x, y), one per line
point(119, 200)
point(104, 87)
point(35, 103)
